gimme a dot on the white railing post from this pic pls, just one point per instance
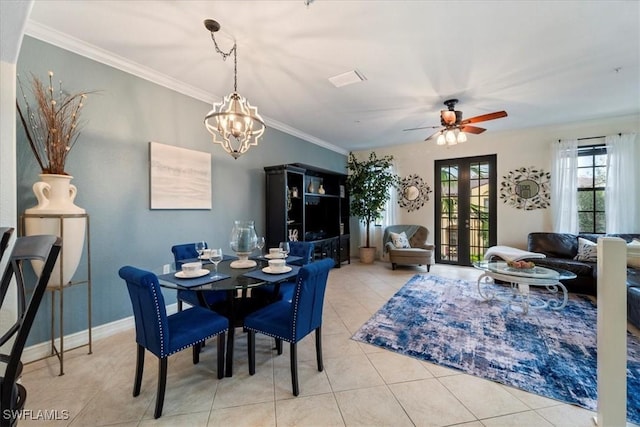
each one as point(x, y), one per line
point(612, 332)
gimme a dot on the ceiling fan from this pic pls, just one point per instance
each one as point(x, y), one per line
point(454, 129)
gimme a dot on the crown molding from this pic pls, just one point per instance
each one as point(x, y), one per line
point(305, 136)
point(82, 48)
point(49, 35)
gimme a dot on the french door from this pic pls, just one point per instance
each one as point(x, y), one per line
point(465, 208)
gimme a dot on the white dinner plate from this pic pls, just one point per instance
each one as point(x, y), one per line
point(270, 256)
point(202, 272)
point(268, 270)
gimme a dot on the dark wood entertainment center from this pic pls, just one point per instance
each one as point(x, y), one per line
point(311, 204)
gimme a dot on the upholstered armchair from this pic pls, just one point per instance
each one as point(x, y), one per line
point(410, 248)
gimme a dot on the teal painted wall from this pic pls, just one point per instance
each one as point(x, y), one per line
point(110, 166)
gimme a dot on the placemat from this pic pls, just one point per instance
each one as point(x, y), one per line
point(192, 283)
point(272, 278)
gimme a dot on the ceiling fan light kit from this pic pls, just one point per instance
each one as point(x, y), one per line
point(233, 123)
point(455, 129)
point(451, 137)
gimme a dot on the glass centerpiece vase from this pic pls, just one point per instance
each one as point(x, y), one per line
point(243, 241)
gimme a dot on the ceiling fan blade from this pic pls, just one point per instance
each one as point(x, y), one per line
point(423, 127)
point(485, 117)
point(433, 134)
point(472, 129)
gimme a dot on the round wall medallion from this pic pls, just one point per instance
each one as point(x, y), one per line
point(526, 188)
point(413, 193)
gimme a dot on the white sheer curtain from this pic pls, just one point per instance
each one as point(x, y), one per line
point(388, 218)
point(621, 193)
point(564, 186)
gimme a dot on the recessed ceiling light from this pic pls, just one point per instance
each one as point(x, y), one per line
point(348, 78)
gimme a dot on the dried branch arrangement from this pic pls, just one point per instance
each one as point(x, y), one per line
point(52, 125)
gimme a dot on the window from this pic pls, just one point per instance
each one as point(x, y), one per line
point(592, 178)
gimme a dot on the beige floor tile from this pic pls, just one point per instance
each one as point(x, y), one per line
point(338, 345)
point(521, 419)
point(310, 380)
point(320, 410)
point(483, 398)
point(114, 405)
point(394, 367)
point(429, 403)
point(245, 389)
point(374, 406)
point(368, 348)
point(193, 419)
point(260, 414)
point(351, 372)
point(533, 401)
point(567, 416)
point(440, 371)
point(190, 388)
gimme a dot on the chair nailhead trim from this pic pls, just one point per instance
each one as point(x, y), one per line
point(190, 345)
point(157, 305)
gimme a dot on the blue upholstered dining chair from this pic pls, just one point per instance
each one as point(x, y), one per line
point(299, 249)
point(188, 251)
point(43, 248)
point(293, 320)
point(164, 335)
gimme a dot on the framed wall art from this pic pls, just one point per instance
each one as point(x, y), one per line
point(413, 192)
point(526, 188)
point(179, 178)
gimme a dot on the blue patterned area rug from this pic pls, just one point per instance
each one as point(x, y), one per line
point(547, 352)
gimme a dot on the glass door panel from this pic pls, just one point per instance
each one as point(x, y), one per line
point(466, 191)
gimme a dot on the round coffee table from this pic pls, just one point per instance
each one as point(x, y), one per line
point(521, 280)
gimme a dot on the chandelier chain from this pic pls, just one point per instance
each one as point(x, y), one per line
point(225, 55)
point(233, 122)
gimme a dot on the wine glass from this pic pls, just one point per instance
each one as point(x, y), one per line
point(200, 247)
point(260, 244)
point(284, 248)
point(215, 256)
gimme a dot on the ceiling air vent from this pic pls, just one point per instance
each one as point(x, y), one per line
point(348, 78)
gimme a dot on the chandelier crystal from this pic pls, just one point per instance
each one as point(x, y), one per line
point(233, 123)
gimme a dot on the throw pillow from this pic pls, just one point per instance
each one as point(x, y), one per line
point(587, 250)
point(633, 254)
point(400, 240)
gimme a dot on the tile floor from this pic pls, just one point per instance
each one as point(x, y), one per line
point(361, 385)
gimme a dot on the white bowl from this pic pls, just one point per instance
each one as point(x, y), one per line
point(191, 268)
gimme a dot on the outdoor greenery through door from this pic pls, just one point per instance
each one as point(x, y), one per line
point(466, 198)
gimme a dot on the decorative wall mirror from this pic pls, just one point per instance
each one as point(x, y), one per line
point(413, 192)
point(526, 188)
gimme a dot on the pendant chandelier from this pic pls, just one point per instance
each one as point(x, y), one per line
point(234, 123)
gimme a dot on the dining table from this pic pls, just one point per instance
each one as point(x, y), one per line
point(237, 282)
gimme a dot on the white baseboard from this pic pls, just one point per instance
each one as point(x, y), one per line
point(42, 350)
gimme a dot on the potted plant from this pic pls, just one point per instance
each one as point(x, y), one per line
point(369, 183)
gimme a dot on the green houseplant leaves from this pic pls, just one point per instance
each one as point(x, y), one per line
point(370, 182)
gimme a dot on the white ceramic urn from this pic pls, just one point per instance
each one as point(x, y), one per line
point(54, 214)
